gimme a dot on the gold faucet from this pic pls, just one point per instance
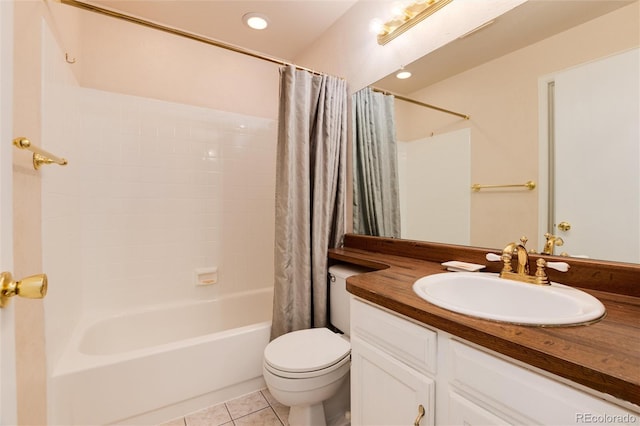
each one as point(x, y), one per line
point(523, 256)
point(522, 271)
point(552, 241)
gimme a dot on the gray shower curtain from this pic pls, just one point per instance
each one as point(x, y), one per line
point(376, 200)
point(310, 194)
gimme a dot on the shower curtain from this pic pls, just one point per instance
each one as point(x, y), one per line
point(376, 199)
point(310, 194)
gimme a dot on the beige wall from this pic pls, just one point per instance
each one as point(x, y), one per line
point(30, 365)
point(122, 57)
point(502, 99)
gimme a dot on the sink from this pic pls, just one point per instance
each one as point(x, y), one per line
point(488, 296)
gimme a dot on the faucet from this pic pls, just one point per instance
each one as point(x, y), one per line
point(521, 252)
point(552, 241)
point(522, 271)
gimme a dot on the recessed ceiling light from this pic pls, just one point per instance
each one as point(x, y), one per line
point(403, 74)
point(255, 21)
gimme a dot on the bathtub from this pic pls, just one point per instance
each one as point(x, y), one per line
point(151, 365)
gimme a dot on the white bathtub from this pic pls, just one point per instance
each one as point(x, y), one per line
point(155, 364)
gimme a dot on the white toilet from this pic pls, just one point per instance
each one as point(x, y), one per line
point(304, 368)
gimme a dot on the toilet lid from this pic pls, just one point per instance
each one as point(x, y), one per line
point(306, 350)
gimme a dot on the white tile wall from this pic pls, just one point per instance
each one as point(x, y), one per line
point(60, 201)
point(153, 190)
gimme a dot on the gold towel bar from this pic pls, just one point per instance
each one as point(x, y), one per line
point(40, 156)
point(530, 185)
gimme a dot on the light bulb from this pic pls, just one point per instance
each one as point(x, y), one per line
point(403, 74)
point(376, 26)
point(255, 21)
point(399, 10)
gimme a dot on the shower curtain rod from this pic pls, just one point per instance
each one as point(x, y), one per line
point(175, 31)
point(413, 101)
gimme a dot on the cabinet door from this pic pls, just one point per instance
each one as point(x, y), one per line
point(385, 391)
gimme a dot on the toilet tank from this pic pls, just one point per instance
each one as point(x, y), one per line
point(339, 296)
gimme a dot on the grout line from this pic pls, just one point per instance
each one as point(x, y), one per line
point(226, 407)
point(276, 414)
point(233, 421)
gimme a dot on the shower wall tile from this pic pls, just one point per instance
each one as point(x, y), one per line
point(61, 126)
point(163, 189)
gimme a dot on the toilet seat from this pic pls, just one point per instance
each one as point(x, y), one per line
point(309, 374)
point(306, 353)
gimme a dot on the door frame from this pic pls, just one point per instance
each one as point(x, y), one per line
point(545, 152)
point(8, 394)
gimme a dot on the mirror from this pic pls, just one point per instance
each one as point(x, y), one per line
point(499, 75)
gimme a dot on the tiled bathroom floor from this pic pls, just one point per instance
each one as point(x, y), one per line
point(257, 408)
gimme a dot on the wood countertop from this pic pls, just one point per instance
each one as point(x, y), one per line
point(604, 356)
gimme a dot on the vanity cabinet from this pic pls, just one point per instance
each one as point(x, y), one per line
point(398, 365)
point(392, 369)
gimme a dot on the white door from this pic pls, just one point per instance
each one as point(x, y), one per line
point(8, 414)
point(597, 158)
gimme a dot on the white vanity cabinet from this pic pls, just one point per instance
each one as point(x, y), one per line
point(394, 371)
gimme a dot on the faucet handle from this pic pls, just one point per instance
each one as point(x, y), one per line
point(492, 257)
point(505, 259)
point(558, 266)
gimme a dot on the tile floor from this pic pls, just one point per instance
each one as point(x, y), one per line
point(257, 408)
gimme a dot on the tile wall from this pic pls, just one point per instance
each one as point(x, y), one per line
point(167, 189)
point(153, 190)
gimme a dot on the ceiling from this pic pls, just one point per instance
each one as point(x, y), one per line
point(293, 24)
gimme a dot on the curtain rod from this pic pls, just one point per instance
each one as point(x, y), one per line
point(175, 31)
point(413, 101)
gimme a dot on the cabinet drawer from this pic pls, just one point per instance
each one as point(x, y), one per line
point(412, 344)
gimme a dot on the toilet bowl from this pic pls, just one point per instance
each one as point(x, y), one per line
point(305, 368)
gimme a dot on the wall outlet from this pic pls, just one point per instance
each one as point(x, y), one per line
point(206, 276)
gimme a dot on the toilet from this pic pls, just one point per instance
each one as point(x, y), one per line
point(304, 368)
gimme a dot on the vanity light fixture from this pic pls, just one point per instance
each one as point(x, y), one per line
point(256, 21)
point(407, 17)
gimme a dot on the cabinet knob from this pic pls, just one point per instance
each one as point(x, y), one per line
point(420, 415)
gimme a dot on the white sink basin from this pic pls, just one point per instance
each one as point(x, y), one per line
point(487, 296)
